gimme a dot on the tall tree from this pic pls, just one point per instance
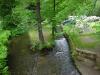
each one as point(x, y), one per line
point(53, 20)
point(55, 11)
point(38, 14)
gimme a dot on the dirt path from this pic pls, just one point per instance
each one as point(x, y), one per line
point(86, 69)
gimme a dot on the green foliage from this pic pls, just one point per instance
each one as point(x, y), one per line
point(3, 51)
point(97, 8)
point(15, 17)
point(18, 19)
point(6, 7)
point(74, 54)
point(85, 8)
point(38, 46)
point(4, 35)
point(49, 44)
point(22, 18)
point(63, 9)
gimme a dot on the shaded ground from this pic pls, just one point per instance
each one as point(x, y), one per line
point(20, 57)
point(22, 61)
point(87, 69)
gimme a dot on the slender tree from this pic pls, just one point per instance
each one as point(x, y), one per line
point(41, 38)
point(53, 20)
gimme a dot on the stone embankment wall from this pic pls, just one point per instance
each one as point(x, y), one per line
point(87, 56)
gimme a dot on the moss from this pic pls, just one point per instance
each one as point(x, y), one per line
point(74, 54)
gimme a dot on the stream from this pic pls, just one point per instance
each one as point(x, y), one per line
point(63, 56)
point(57, 62)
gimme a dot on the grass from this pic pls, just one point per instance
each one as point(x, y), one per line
point(77, 42)
point(33, 34)
point(76, 37)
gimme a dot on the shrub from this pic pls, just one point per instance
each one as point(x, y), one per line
point(42, 48)
point(4, 35)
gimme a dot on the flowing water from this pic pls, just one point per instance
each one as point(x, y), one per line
point(57, 62)
point(63, 56)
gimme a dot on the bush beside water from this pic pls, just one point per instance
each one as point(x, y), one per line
point(4, 35)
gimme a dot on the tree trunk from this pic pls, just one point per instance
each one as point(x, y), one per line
point(40, 33)
point(54, 21)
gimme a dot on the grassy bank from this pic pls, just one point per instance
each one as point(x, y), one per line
point(80, 40)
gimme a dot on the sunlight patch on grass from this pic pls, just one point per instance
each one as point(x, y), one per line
point(33, 34)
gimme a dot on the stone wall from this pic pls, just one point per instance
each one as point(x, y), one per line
point(88, 56)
